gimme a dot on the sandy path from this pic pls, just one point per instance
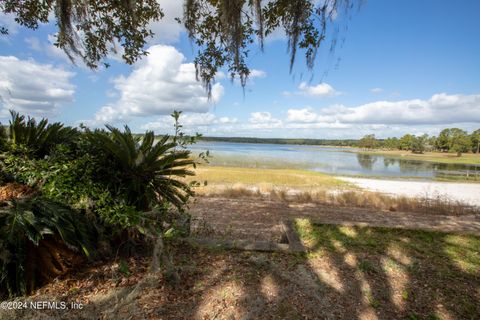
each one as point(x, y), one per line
point(259, 219)
point(468, 193)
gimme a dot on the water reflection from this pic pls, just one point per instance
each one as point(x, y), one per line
point(366, 161)
point(339, 161)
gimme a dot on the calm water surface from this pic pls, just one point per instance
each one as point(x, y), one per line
point(325, 159)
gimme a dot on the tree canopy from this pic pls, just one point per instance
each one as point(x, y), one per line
point(223, 30)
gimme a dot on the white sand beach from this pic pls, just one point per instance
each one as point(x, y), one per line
point(468, 193)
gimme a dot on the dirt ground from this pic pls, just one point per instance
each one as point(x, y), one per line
point(347, 272)
point(351, 283)
point(259, 218)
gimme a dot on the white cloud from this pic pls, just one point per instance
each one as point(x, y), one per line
point(34, 88)
point(262, 120)
point(376, 90)
point(254, 73)
point(261, 117)
point(384, 118)
point(439, 109)
point(319, 90)
point(190, 121)
point(304, 115)
point(33, 43)
point(159, 83)
point(167, 30)
point(8, 21)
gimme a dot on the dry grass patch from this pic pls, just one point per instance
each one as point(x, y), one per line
point(350, 198)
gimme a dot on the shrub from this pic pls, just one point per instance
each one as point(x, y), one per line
point(146, 173)
point(39, 239)
point(37, 139)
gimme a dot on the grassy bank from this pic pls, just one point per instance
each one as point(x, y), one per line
point(440, 157)
point(215, 175)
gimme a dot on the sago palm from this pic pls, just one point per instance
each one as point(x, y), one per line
point(39, 239)
point(38, 138)
point(148, 172)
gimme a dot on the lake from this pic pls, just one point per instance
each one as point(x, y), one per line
point(337, 161)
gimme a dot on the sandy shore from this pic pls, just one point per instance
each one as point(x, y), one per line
point(468, 193)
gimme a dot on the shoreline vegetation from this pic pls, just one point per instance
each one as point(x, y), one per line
point(306, 186)
point(439, 157)
point(432, 149)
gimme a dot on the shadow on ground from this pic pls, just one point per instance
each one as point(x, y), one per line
point(347, 273)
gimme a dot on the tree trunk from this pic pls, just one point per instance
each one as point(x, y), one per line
point(160, 257)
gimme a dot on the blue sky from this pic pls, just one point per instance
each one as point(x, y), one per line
point(405, 66)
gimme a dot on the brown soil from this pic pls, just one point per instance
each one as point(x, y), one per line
point(259, 218)
point(340, 278)
point(250, 285)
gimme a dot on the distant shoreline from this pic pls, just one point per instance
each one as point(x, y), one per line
point(438, 157)
point(311, 142)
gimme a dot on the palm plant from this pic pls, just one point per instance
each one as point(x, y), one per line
point(39, 239)
point(147, 171)
point(39, 138)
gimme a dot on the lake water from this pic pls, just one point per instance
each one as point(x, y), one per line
point(338, 161)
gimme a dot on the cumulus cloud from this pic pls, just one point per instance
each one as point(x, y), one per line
point(34, 88)
point(376, 90)
point(254, 73)
point(439, 109)
point(301, 115)
point(159, 83)
point(262, 120)
point(384, 118)
point(167, 30)
point(319, 90)
point(190, 121)
point(261, 117)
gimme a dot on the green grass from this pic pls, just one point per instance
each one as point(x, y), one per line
point(422, 269)
point(440, 157)
point(275, 177)
point(462, 251)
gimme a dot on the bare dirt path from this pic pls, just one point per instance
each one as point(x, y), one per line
point(259, 218)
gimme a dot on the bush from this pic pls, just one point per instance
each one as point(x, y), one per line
point(121, 181)
point(39, 239)
point(37, 139)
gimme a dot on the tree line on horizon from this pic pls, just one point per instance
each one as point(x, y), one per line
point(452, 140)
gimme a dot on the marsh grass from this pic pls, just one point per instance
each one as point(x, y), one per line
point(352, 198)
point(301, 186)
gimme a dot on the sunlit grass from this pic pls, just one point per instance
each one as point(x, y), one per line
point(427, 247)
point(272, 177)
